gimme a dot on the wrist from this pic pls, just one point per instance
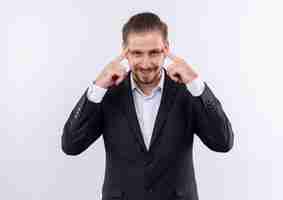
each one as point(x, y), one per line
point(100, 84)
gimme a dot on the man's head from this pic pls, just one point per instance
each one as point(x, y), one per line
point(145, 35)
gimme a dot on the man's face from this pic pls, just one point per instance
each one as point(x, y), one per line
point(146, 56)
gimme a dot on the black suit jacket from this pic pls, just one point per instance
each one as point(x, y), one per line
point(165, 171)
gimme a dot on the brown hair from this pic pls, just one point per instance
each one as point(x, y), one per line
point(144, 22)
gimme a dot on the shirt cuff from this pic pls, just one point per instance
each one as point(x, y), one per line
point(196, 86)
point(95, 93)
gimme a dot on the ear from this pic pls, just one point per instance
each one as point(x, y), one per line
point(124, 46)
point(166, 47)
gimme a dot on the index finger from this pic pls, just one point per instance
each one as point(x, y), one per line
point(122, 56)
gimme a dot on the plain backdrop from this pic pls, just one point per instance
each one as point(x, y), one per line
point(51, 50)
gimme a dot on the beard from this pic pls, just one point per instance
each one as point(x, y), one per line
point(148, 77)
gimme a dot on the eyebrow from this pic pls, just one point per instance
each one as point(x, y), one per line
point(140, 51)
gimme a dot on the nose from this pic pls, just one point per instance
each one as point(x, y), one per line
point(145, 62)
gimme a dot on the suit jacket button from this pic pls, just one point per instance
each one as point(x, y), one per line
point(146, 163)
point(150, 190)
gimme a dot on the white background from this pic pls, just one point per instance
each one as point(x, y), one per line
point(51, 50)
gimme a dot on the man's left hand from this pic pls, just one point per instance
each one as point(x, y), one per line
point(179, 70)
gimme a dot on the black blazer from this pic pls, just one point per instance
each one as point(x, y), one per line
point(165, 171)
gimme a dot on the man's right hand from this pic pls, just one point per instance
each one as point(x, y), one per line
point(114, 73)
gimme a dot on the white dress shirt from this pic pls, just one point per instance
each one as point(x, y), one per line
point(146, 105)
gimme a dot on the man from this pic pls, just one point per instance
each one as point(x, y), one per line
point(148, 117)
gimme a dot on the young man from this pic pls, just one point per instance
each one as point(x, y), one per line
point(148, 117)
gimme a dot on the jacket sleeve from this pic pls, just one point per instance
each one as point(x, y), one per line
point(83, 127)
point(211, 123)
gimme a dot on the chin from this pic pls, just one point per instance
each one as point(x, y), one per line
point(150, 78)
point(147, 82)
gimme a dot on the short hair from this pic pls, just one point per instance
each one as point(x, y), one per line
point(142, 23)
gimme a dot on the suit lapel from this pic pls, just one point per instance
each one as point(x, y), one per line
point(167, 99)
point(130, 112)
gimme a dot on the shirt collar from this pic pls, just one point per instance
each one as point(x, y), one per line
point(159, 86)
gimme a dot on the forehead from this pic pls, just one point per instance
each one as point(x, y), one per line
point(145, 41)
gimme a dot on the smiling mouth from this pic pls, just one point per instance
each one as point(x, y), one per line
point(145, 72)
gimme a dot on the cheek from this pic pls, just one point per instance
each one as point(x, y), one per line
point(158, 62)
point(135, 61)
point(132, 61)
point(134, 64)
